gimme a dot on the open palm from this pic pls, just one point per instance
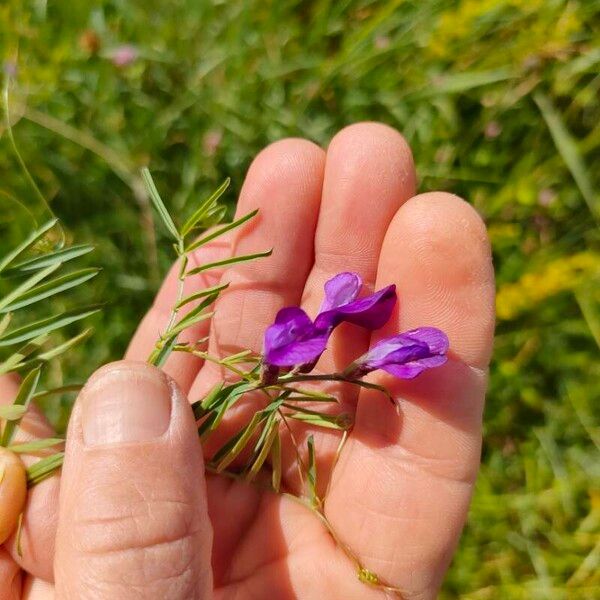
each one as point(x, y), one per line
point(397, 496)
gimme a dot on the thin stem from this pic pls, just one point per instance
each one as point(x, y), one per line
point(180, 287)
point(338, 377)
point(299, 462)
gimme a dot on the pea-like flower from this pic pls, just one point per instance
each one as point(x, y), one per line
point(405, 355)
point(295, 341)
point(341, 304)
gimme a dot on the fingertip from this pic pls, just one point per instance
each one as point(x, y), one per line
point(371, 145)
point(290, 163)
point(438, 252)
point(10, 577)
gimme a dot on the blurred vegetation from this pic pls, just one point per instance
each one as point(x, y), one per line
point(499, 101)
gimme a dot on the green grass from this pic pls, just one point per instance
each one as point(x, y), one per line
point(499, 101)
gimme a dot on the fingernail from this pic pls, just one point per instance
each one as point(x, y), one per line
point(125, 403)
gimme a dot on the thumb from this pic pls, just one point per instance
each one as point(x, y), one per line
point(133, 518)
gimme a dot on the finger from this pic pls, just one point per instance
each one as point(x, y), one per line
point(369, 173)
point(13, 492)
point(133, 517)
point(10, 577)
point(37, 589)
point(181, 366)
point(38, 527)
point(400, 492)
point(284, 183)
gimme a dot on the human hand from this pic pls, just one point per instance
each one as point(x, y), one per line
point(400, 490)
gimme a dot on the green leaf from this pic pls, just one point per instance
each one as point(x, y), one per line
point(12, 412)
point(567, 148)
point(62, 348)
point(232, 448)
point(51, 288)
point(44, 468)
point(24, 395)
point(15, 360)
point(63, 389)
point(223, 401)
point(160, 355)
point(27, 243)
point(45, 326)
point(215, 289)
point(219, 232)
point(455, 83)
point(31, 447)
point(234, 260)
point(194, 316)
point(46, 260)
point(204, 208)
point(340, 422)
point(190, 320)
point(240, 357)
point(312, 395)
point(276, 462)
point(4, 323)
point(27, 285)
point(159, 205)
point(264, 446)
point(200, 407)
point(312, 472)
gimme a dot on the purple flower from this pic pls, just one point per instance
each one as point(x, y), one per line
point(340, 304)
point(405, 355)
point(294, 341)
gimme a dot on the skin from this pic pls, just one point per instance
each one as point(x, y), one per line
point(398, 495)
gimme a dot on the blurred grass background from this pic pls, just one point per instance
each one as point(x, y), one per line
point(499, 101)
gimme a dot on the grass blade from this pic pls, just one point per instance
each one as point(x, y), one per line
point(219, 232)
point(234, 260)
point(26, 391)
point(566, 146)
point(159, 204)
point(204, 208)
point(50, 288)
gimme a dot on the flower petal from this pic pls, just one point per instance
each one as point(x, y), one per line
point(293, 340)
point(371, 312)
point(412, 369)
point(341, 289)
point(404, 355)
